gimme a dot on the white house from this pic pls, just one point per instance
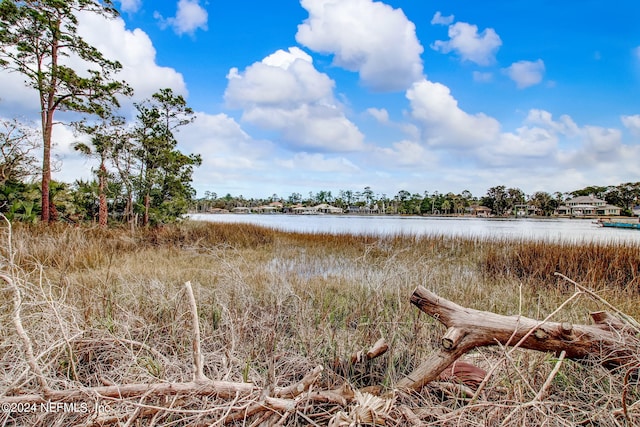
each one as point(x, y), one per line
point(328, 209)
point(587, 206)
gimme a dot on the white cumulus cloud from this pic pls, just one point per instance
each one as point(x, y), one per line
point(282, 79)
point(602, 140)
point(438, 19)
point(444, 123)
point(380, 114)
point(317, 162)
point(190, 16)
point(584, 146)
point(542, 142)
point(367, 37)
point(469, 44)
point(564, 126)
point(526, 143)
point(130, 6)
point(139, 67)
point(285, 93)
point(632, 123)
point(229, 154)
point(526, 73)
point(220, 139)
point(404, 154)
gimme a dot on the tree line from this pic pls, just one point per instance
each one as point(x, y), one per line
point(141, 176)
point(500, 199)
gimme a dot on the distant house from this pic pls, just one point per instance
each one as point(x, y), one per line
point(218, 211)
point(304, 210)
point(360, 210)
point(241, 210)
point(587, 206)
point(328, 209)
point(291, 208)
point(608, 210)
point(266, 209)
point(481, 211)
point(525, 210)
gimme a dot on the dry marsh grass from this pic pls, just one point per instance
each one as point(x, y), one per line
point(605, 265)
point(108, 307)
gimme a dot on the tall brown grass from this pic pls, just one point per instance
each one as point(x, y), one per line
point(107, 306)
point(599, 265)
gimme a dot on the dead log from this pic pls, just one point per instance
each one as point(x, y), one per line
point(360, 360)
point(221, 389)
point(378, 349)
point(610, 341)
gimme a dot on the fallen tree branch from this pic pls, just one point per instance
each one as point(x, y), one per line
point(223, 389)
point(611, 343)
point(379, 348)
point(198, 359)
point(17, 319)
point(550, 378)
point(26, 341)
point(304, 384)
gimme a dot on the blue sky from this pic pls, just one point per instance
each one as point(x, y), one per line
point(298, 96)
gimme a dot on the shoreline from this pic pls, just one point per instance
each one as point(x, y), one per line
point(510, 217)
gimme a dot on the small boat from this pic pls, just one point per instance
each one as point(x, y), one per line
point(620, 224)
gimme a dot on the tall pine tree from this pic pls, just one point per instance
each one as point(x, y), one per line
point(35, 38)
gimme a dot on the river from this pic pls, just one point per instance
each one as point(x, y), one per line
point(548, 229)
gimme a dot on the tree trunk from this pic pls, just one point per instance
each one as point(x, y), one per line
point(147, 205)
point(609, 341)
point(47, 127)
point(103, 212)
point(129, 215)
point(48, 104)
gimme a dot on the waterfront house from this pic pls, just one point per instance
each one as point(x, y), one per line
point(481, 211)
point(525, 210)
point(304, 210)
point(328, 209)
point(587, 206)
point(266, 209)
point(218, 211)
point(362, 210)
point(608, 210)
point(241, 210)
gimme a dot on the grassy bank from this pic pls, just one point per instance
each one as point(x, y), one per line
point(108, 307)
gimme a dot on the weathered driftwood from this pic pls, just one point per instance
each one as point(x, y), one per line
point(378, 349)
point(198, 359)
point(221, 389)
point(610, 341)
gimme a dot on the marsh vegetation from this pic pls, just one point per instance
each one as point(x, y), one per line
point(107, 307)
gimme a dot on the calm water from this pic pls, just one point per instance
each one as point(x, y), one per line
point(566, 230)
